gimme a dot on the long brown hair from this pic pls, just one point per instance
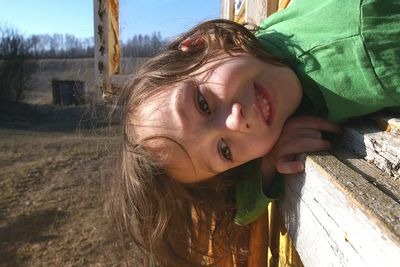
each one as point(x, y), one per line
point(158, 213)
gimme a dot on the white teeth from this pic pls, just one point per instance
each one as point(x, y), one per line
point(264, 105)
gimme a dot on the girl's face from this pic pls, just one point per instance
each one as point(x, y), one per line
point(232, 111)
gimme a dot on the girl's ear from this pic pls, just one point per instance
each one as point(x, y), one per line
point(193, 42)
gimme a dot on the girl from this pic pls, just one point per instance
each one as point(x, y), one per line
point(220, 110)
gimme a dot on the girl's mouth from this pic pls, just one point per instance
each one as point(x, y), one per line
point(263, 103)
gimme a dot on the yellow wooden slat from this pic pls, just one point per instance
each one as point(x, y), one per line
point(283, 4)
point(282, 251)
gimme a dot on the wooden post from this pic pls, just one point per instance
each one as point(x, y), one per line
point(272, 7)
point(227, 9)
point(107, 46)
point(256, 11)
point(258, 244)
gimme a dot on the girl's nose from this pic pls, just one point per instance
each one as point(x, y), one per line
point(236, 120)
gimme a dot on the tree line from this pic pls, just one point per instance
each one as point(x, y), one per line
point(68, 46)
point(143, 45)
point(19, 54)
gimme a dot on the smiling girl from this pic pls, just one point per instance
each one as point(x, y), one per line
point(228, 112)
point(209, 121)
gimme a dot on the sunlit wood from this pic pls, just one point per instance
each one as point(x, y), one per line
point(107, 47)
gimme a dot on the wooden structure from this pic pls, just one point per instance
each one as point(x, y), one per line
point(251, 11)
point(344, 210)
point(68, 92)
point(107, 46)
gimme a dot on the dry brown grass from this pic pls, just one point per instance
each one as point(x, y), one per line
point(53, 165)
point(51, 201)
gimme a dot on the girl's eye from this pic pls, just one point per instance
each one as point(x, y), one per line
point(225, 150)
point(202, 103)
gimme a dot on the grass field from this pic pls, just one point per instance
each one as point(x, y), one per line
point(68, 69)
point(53, 165)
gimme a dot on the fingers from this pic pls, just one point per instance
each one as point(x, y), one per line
point(300, 133)
point(311, 122)
point(291, 167)
point(286, 162)
point(300, 145)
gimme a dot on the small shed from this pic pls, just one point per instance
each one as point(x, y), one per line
point(68, 92)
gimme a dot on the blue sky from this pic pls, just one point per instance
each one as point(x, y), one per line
point(170, 17)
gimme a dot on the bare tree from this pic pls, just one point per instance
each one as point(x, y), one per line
point(16, 65)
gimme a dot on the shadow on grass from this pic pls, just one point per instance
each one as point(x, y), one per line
point(26, 229)
point(49, 118)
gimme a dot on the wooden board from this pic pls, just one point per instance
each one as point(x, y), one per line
point(336, 217)
point(380, 148)
point(382, 181)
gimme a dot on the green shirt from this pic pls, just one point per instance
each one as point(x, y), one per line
point(346, 54)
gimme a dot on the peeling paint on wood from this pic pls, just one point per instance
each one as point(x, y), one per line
point(380, 148)
point(107, 46)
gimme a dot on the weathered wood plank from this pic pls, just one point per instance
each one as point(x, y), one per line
point(107, 47)
point(336, 217)
point(256, 11)
point(380, 148)
point(381, 180)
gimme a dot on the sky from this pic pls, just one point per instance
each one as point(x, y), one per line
point(170, 17)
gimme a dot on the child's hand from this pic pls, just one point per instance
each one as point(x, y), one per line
point(299, 134)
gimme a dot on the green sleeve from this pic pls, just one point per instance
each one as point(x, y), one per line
point(251, 202)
